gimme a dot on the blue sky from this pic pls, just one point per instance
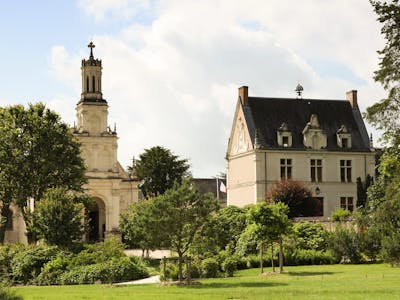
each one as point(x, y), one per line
point(172, 68)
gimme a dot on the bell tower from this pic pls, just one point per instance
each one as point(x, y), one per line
point(98, 140)
point(92, 109)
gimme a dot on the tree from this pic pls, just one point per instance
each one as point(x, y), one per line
point(296, 196)
point(158, 169)
point(37, 152)
point(221, 231)
point(137, 226)
point(270, 223)
point(384, 114)
point(58, 217)
point(362, 188)
point(178, 215)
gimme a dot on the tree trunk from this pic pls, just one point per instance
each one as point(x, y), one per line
point(261, 256)
point(280, 256)
point(3, 222)
point(272, 257)
point(180, 277)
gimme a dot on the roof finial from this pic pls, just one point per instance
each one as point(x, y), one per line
point(257, 139)
point(91, 46)
point(299, 90)
point(371, 141)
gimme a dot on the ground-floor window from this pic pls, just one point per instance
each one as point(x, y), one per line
point(320, 206)
point(347, 203)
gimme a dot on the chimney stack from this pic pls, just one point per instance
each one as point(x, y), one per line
point(244, 94)
point(351, 96)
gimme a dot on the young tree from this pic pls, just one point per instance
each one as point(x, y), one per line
point(138, 228)
point(178, 215)
point(58, 217)
point(158, 169)
point(296, 196)
point(221, 231)
point(271, 222)
point(37, 152)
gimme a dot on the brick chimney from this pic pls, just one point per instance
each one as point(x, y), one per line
point(244, 94)
point(351, 96)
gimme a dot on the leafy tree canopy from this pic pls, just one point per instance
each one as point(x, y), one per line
point(296, 196)
point(384, 114)
point(58, 217)
point(158, 169)
point(37, 152)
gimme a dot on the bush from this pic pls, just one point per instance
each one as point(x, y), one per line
point(7, 252)
point(99, 252)
point(116, 270)
point(6, 294)
point(309, 235)
point(27, 264)
point(53, 270)
point(170, 272)
point(391, 249)
point(341, 215)
point(345, 245)
point(209, 268)
point(229, 265)
point(300, 257)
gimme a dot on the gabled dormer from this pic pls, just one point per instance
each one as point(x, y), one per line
point(343, 137)
point(284, 136)
point(314, 136)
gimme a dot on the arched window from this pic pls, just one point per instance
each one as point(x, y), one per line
point(93, 84)
point(87, 84)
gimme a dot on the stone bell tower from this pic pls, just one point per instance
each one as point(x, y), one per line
point(99, 142)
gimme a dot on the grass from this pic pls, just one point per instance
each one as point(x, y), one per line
point(375, 281)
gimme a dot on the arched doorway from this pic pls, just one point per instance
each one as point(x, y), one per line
point(97, 220)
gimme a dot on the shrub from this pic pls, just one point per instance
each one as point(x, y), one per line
point(116, 270)
point(27, 264)
point(229, 265)
point(99, 252)
point(391, 249)
point(309, 257)
point(7, 294)
point(345, 245)
point(309, 235)
point(7, 252)
point(170, 272)
point(52, 270)
point(371, 242)
point(209, 268)
point(341, 215)
point(247, 242)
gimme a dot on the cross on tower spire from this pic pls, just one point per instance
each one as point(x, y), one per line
point(91, 46)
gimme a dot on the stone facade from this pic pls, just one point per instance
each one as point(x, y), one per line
point(322, 143)
point(108, 183)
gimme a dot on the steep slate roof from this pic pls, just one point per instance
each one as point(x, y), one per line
point(267, 115)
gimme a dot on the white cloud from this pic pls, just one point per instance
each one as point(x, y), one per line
point(174, 82)
point(103, 9)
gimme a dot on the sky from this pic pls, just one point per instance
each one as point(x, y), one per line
point(172, 68)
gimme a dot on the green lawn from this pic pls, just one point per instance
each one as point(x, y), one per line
point(305, 282)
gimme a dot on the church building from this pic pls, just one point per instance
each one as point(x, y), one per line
point(321, 143)
point(109, 185)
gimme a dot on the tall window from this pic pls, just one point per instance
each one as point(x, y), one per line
point(87, 84)
point(316, 170)
point(347, 203)
point(93, 84)
point(345, 170)
point(286, 168)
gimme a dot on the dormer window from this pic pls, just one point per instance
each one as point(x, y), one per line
point(343, 137)
point(284, 136)
point(314, 136)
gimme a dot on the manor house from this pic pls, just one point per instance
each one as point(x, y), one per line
point(322, 143)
